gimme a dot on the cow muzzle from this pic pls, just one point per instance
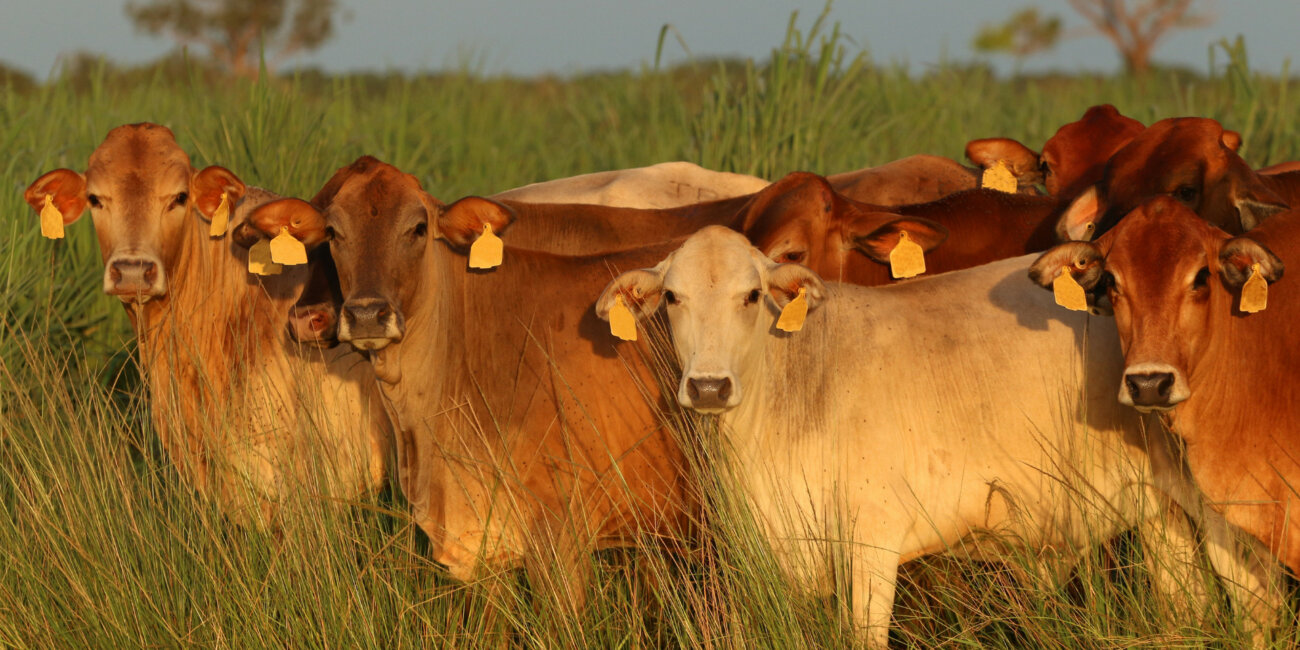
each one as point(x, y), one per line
point(709, 394)
point(134, 278)
point(1153, 387)
point(370, 323)
point(316, 324)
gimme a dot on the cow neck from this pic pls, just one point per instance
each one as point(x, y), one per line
point(214, 320)
point(417, 369)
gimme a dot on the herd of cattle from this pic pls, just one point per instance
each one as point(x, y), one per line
point(903, 418)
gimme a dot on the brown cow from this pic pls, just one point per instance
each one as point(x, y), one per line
point(1072, 159)
point(226, 397)
point(1192, 159)
point(1223, 379)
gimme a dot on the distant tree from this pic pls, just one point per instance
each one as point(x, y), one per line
point(1025, 33)
point(1134, 27)
point(235, 32)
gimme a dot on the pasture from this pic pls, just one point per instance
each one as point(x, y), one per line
point(102, 543)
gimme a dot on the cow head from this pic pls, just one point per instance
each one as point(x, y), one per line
point(801, 219)
point(1167, 274)
point(723, 297)
point(1191, 159)
point(1072, 159)
point(381, 225)
point(143, 195)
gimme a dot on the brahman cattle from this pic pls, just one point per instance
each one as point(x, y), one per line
point(1195, 161)
point(246, 417)
point(903, 419)
point(665, 185)
point(1223, 378)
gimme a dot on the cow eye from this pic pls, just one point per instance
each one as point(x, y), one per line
point(793, 257)
point(1186, 193)
point(752, 297)
point(670, 297)
point(94, 201)
point(420, 230)
point(1202, 279)
point(330, 235)
point(181, 199)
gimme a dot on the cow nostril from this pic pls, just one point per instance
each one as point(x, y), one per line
point(724, 390)
point(114, 273)
point(692, 390)
point(150, 271)
point(382, 313)
point(1165, 386)
point(1133, 390)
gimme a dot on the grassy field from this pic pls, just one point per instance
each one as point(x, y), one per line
point(102, 545)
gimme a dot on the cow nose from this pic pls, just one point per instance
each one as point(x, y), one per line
point(709, 392)
point(133, 276)
point(1151, 389)
point(370, 323)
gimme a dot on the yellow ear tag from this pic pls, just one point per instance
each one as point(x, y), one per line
point(287, 250)
point(220, 218)
point(51, 219)
point(621, 321)
point(792, 317)
point(485, 253)
point(1068, 292)
point(999, 177)
point(907, 259)
point(1254, 294)
point(259, 259)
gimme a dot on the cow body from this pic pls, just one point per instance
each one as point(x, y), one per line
point(923, 427)
point(227, 391)
point(665, 185)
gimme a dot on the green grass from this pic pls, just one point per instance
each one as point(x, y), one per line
point(101, 544)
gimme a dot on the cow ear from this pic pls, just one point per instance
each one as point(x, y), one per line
point(209, 184)
point(642, 291)
point(1083, 260)
point(1231, 140)
point(1079, 221)
point(881, 240)
point(1255, 202)
point(303, 221)
point(1239, 254)
point(785, 280)
point(462, 222)
point(67, 189)
point(1021, 160)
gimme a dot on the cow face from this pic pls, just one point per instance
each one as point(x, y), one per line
point(800, 219)
point(1192, 160)
point(142, 194)
point(722, 296)
point(1165, 302)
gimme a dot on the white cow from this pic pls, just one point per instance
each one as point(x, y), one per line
point(906, 418)
point(665, 185)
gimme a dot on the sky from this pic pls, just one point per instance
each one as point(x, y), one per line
point(530, 37)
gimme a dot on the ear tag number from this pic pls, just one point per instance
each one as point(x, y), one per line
point(220, 218)
point(622, 323)
point(907, 259)
point(794, 314)
point(259, 259)
point(1068, 292)
point(287, 250)
point(1254, 294)
point(999, 177)
point(485, 252)
point(51, 219)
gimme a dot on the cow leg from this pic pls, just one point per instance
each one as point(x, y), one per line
point(1170, 551)
point(874, 574)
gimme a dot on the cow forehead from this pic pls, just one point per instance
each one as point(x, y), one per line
point(1157, 240)
point(133, 157)
point(715, 257)
point(379, 194)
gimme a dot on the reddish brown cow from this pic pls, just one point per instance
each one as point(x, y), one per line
point(1224, 379)
point(225, 393)
point(1192, 159)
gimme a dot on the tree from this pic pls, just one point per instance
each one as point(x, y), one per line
point(1133, 27)
point(237, 31)
point(1135, 30)
point(1025, 33)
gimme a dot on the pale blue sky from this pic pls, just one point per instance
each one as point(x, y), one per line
point(562, 36)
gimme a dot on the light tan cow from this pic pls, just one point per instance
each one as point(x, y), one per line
point(247, 418)
point(903, 419)
point(665, 185)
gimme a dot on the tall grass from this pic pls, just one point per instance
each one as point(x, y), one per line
point(102, 544)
